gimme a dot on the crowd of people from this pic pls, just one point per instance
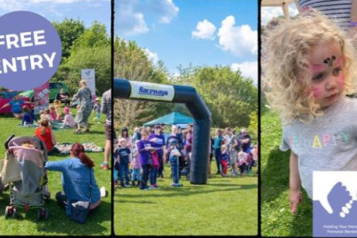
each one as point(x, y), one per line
point(76, 167)
point(140, 158)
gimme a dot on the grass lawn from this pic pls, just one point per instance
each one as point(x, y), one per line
point(276, 218)
point(225, 206)
point(58, 224)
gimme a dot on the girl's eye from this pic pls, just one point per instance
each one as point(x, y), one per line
point(318, 77)
point(337, 71)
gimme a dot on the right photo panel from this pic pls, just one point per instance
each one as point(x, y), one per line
point(308, 108)
point(185, 117)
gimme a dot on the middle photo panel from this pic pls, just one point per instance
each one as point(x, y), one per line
point(185, 117)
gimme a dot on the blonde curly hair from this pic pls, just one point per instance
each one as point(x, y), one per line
point(286, 66)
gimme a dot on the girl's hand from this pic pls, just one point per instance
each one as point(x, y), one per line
point(295, 200)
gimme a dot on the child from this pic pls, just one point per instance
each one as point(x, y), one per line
point(46, 135)
point(97, 109)
point(122, 157)
point(48, 115)
point(224, 158)
point(53, 114)
point(174, 155)
point(309, 67)
point(28, 117)
point(68, 120)
point(242, 161)
point(57, 105)
point(136, 168)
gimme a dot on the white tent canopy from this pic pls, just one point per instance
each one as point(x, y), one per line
point(280, 3)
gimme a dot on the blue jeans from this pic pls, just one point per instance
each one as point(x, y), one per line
point(124, 173)
point(137, 173)
point(175, 169)
point(153, 175)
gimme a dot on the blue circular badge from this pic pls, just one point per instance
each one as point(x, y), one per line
point(30, 50)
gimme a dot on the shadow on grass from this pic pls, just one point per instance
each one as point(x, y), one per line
point(275, 176)
point(180, 192)
point(60, 223)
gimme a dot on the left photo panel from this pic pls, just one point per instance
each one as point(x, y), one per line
point(55, 114)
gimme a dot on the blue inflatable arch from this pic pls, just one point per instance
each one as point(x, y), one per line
point(133, 90)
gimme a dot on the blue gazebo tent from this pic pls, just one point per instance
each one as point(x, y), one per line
point(173, 118)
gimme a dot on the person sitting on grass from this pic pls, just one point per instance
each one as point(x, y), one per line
point(122, 155)
point(78, 179)
point(46, 135)
point(15, 104)
point(48, 115)
point(28, 117)
point(68, 121)
point(173, 154)
point(57, 105)
point(53, 113)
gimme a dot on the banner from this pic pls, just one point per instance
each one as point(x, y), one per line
point(41, 97)
point(141, 90)
point(89, 76)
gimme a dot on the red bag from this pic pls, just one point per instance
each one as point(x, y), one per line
point(155, 159)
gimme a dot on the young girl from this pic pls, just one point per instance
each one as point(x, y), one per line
point(28, 117)
point(224, 158)
point(48, 115)
point(45, 134)
point(135, 163)
point(68, 120)
point(53, 114)
point(309, 67)
point(57, 105)
point(242, 161)
point(96, 109)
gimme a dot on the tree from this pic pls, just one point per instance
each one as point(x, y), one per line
point(97, 58)
point(68, 30)
point(95, 36)
point(229, 96)
point(131, 62)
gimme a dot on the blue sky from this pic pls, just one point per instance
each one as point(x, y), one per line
point(201, 32)
point(57, 10)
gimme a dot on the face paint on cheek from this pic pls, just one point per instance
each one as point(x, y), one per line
point(317, 92)
point(341, 80)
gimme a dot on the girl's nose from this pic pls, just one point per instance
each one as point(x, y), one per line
point(331, 82)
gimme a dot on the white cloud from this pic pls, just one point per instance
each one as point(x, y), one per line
point(130, 15)
point(205, 30)
point(153, 57)
point(248, 69)
point(268, 13)
point(166, 10)
point(127, 20)
point(239, 40)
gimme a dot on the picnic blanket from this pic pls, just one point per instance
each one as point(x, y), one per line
point(64, 148)
point(56, 126)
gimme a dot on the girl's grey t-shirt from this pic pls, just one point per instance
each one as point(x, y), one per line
point(329, 143)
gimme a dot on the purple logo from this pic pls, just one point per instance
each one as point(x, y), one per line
point(30, 50)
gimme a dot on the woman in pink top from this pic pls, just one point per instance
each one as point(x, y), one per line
point(68, 120)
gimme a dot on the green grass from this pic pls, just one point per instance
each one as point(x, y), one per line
point(277, 219)
point(225, 206)
point(58, 224)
